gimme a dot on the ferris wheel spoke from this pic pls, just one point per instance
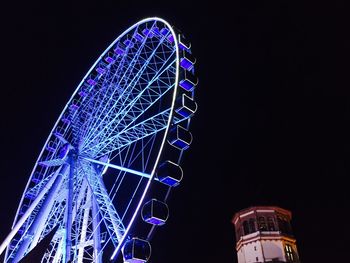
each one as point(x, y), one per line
point(145, 94)
point(134, 115)
point(111, 84)
point(102, 98)
point(119, 168)
point(143, 101)
point(95, 105)
point(146, 102)
point(144, 153)
point(129, 161)
point(125, 98)
point(133, 134)
point(108, 88)
point(135, 59)
point(124, 162)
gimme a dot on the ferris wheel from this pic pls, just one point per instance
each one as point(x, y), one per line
point(100, 184)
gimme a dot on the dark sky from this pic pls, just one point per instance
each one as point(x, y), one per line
point(272, 126)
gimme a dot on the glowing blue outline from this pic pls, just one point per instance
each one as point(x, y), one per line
point(166, 130)
point(56, 124)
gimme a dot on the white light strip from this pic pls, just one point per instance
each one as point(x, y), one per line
point(118, 167)
point(165, 134)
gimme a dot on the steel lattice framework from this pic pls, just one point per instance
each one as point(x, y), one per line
point(130, 113)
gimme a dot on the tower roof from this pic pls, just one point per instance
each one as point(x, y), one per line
point(258, 209)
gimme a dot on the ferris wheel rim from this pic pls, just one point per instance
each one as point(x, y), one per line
point(166, 131)
point(174, 92)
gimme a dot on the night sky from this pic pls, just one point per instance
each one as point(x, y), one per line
point(272, 126)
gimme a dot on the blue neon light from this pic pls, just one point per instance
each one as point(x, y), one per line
point(118, 118)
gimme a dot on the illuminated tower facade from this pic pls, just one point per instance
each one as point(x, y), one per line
point(264, 234)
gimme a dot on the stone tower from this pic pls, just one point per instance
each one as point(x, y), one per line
point(264, 234)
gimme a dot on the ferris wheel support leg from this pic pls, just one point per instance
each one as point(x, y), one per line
point(58, 253)
point(87, 207)
point(68, 239)
point(32, 236)
point(30, 209)
point(46, 208)
point(96, 229)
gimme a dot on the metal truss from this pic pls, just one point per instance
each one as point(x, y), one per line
point(118, 118)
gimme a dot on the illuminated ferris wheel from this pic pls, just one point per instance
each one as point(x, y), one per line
point(101, 182)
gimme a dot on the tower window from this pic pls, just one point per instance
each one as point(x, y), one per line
point(289, 253)
point(246, 227)
point(271, 224)
point(252, 228)
point(284, 225)
point(262, 224)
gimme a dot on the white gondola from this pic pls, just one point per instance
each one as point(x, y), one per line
point(155, 212)
point(37, 177)
point(164, 31)
point(183, 43)
point(74, 105)
point(120, 49)
point(59, 131)
point(66, 118)
point(186, 106)
point(169, 173)
point(128, 43)
point(109, 58)
point(180, 138)
point(138, 37)
point(188, 81)
point(187, 60)
point(84, 90)
point(136, 250)
point(30, 195)
point(51, 146)
point(92, 80)
point(101, 68)
point(147, 33)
